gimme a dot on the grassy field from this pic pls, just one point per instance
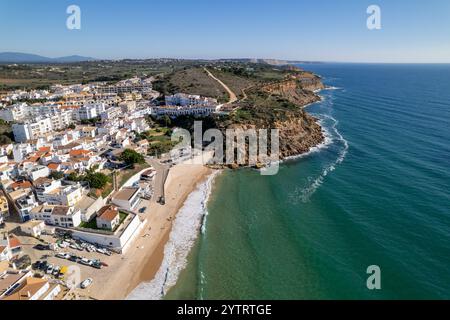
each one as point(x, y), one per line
point(192, 81)
point(44, 75)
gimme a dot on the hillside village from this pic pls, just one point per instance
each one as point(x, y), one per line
point(78, 177)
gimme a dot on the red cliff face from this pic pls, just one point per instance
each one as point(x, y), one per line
point(283, 110)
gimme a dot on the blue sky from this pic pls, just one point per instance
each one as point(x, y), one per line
point(323, 30)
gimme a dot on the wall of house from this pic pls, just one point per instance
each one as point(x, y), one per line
point(116, 242)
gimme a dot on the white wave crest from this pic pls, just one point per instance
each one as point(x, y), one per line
point(183, 235)
point(314, 183)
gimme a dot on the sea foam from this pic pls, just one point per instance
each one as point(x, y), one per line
point(185, 229)
point(332, 137)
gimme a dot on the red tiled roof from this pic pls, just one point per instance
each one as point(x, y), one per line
point(108, 213)
point(80, 152)
point(14, 242)
point(53, 166)
point(45, 149)
point(21, 185)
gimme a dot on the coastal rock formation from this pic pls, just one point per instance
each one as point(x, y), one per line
point(297, 89)
point(298, 134)
point(280, 105)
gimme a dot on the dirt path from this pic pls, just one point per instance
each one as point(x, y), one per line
point(233, 97)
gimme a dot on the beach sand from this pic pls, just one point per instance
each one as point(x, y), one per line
point(143, 258)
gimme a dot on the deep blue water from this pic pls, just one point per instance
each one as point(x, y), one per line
point(377, 195)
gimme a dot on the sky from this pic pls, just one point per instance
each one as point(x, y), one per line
point(308, 30)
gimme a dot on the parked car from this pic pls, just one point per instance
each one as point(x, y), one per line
point(86, 283)
point(36, 265)
point(62, 255)
point(56, 271)
point(41, 247)
point(49, 269)
point(86, 262)
point(43, 266)
point(73, 258)
point(142, 210)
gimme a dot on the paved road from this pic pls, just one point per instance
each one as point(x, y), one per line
point(233, 97)
point(162, 171)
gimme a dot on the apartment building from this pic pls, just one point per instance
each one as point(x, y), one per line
point(57, 215)
point(31, 130)
point(191, 110)
point(25, 202)
point(53, 192)
point(182, 99)
point(16, 112)
point(111, 113)
point(89, 111)
point(21, 151)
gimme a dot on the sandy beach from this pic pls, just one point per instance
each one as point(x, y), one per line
point(142, 260)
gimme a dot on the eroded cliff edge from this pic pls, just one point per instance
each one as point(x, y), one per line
point(280, 105)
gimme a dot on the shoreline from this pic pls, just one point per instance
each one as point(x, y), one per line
point(177, 246)
point(143, 259)
point(149, 268)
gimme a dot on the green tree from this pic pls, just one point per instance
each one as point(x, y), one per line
point(73, 177)
point(56, 175)
point(96, 180)
point(131, 157)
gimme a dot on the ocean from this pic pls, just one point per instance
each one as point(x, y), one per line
point(376, 193)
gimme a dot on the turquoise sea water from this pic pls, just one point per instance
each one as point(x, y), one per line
point(378, 194)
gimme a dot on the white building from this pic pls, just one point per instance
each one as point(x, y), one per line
point(127, 198)
point(192, 110)
point(25, 204)
point(111, 113)
point(182, 99)
point(16, 112)
point(21, 151)
point(38, 171)
point(31, 288)
point(32, 129)
point(127, 106)
point(33, 228)
point(63, 216)
point(87, 112)
point(54, 193)
point(108, 218)
point(119, 240)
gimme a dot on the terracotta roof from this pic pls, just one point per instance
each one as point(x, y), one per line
point(32, 159)
point(45, 149)
point(28, 289)
point(21, 185)
point(80, 152)
point(108, 213)
point(14, 242)
point(53, 166)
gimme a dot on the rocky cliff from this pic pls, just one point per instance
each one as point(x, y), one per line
point(279, 105)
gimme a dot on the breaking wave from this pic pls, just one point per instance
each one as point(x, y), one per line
point(189, 220)
point(305, 193)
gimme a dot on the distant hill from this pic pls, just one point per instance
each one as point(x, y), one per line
point(18, 57)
